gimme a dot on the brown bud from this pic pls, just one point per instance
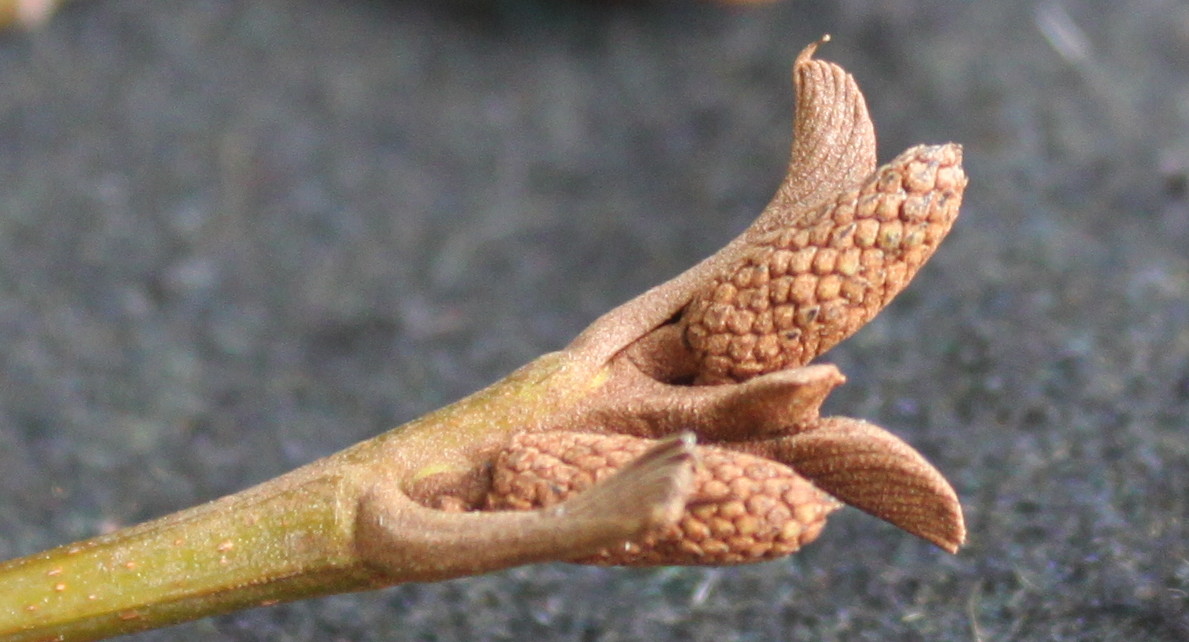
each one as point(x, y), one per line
point(743, 508)
point(800, 290)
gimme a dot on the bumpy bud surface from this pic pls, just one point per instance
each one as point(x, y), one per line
point(802, 289)
point(743, 508)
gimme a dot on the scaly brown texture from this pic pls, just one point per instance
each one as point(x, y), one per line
point(838, 241)
point(802, 289)
point(742, 508)
point(682, 427)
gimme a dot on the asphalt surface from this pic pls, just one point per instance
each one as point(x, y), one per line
point(237, 236)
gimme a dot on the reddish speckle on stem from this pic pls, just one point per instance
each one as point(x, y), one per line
point(60, 586)
point(225, 546)
point(130, 615)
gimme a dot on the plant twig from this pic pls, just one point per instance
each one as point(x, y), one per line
point(588, 454)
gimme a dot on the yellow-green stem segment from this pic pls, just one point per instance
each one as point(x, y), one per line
point(290, 538)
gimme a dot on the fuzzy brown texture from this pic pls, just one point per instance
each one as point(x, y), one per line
point(804, 288)
point(743, 508)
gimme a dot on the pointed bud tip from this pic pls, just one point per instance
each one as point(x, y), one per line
point(807, 53)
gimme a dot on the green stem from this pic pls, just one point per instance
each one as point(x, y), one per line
point(290, 538)
point(280, 542)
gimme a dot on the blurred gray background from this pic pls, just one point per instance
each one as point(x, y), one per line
point(237, 236)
